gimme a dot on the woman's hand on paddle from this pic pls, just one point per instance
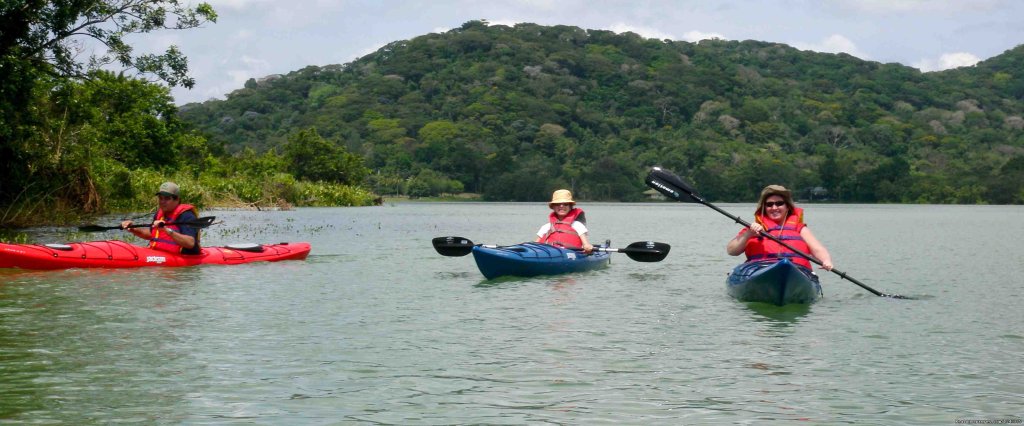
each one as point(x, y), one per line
point(125, 224)
point(756, 228)
point(588, 248)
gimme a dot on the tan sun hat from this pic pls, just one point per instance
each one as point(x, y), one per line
point(561, 196)
point(779, 190)
point(168, 188)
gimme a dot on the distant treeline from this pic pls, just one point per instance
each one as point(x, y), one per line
point(513, 112)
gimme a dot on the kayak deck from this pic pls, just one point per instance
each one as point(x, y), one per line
point(532, 259)
point(119, 254)
point(776, 282)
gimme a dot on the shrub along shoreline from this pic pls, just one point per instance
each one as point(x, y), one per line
point(124, 191)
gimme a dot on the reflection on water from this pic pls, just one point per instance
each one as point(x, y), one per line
point(781, 314)
point(109, 331)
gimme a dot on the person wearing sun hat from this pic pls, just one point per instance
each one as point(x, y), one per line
point(567, 225)
point(777, 215)
point(163, 233)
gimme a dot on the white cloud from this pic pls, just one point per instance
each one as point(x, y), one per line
point(242, 35)
point(919, 6)
point(620, 28)
point(947, 61)
point(505, 22)
point(539, 5)
point(244, 68)
point(365, 52)
point(254, 62)
point(236, 4)
point(693, 36)
point(238, 77)
point(834, 43)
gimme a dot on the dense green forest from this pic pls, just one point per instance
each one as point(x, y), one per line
point(506, 112)
point(513, 112)
point(76, 140)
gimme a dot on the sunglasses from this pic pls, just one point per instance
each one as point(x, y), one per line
point(774, 203)
point(562, 205)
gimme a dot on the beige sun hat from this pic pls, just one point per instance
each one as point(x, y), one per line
point(561, 196)
point(779, 190)
point(168, 188)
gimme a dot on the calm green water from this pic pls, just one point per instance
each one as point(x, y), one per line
point(377, 328)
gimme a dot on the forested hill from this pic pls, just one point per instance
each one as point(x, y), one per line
point(514, 112)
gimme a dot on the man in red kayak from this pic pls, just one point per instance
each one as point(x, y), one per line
point(778, 216)
point(164, 234)
point(567, 226)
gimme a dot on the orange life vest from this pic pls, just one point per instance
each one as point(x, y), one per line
point(561, 233)
point(759, 248)
point(160, 240)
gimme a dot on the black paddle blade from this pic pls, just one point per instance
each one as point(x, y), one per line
point(452, 246)
point(203, 222)
point(647, 251)
point(671, 185)
point(96, 228)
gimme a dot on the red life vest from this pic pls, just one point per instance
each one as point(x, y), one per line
point(561, 233)
point(158, 238)
point(759, 247)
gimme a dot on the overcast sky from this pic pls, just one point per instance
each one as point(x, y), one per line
point(255, 38)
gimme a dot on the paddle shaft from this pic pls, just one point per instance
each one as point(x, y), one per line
point(596, 249)
point(195, 223)
point(607, 249)
point(202, 222)
point(695, 197)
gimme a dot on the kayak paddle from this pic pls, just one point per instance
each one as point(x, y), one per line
point(674, 187)
point(641, 251)
point(202, 222)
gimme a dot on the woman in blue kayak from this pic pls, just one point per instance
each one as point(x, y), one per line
point(778, 216)
point(567, 225)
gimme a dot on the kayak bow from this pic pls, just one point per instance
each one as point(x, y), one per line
point(776, 282)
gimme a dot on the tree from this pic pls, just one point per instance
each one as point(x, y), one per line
point(134, 120)
point(1008, 186)
point(39, 41)
point(48, 34)
point(312, 157)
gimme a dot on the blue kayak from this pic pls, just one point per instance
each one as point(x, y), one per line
point(776, 282)
point(531, 259)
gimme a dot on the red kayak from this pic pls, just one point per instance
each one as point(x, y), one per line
point(119, 254)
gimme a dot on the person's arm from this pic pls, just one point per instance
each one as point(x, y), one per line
point(542, 232)
point(818, 250)
point(186, 235)
point(738, 245)
point(184, 240)
point(582, 230)
point(138, 232)
point(587, 247)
